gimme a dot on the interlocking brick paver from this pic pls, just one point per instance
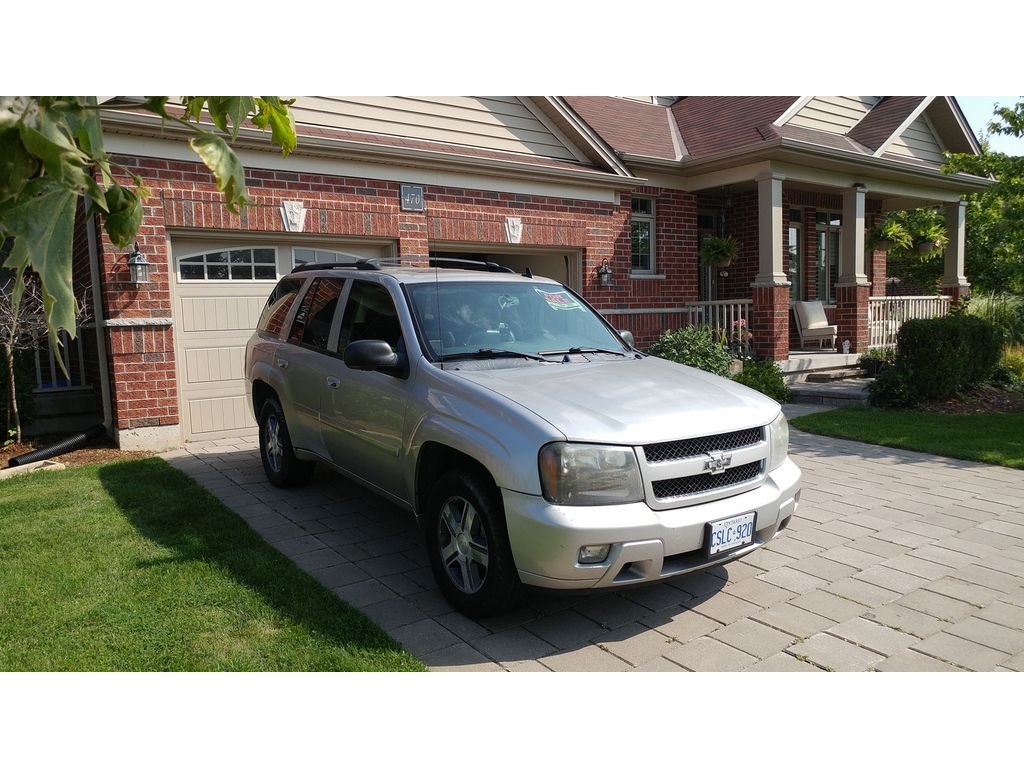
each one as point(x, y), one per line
point(989, 634)
point(783, 662)
point(708, 655)
point(964, 653)
point(914, 661)
point(792, 620)
point(873, 636)
point(753, 638)
point(904, 619)
point(837, 655)
point(828, 605)
point(589, 658)
point(759, 592)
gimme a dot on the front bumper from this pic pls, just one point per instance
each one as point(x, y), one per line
point(646, 545)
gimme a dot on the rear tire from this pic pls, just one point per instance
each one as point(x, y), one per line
point(468, 547)
point(283, 469)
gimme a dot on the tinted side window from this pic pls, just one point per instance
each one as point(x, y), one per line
point(369, 314)
point(280, 301)
point(312, 324)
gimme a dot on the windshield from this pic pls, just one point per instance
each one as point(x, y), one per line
point(463, 318)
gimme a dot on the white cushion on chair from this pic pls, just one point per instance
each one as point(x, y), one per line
point(810, 315)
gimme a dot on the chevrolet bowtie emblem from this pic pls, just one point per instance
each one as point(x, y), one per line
point(716, 463)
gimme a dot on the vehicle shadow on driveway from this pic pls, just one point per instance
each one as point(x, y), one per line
point(370, 553)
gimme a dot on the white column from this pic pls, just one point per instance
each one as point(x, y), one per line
point(769, 226)
point(851, 259)
point(953, 276)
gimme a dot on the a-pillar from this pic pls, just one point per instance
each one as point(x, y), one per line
point(770, 289)
point(853, 289)
point(954, 282)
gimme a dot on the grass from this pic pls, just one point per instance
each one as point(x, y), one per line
point(133, 566)
point(990, 438)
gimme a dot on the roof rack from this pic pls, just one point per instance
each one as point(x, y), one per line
point(472, 264)
point(370, 264)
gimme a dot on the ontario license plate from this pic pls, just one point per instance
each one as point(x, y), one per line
point(724, 535)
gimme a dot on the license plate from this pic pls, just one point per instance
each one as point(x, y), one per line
point(724, 535)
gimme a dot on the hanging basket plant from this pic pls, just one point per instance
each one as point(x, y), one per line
point(889, 234)
point(718, 251)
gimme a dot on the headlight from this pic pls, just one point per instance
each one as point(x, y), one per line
point(778, 442)
point(589, 474)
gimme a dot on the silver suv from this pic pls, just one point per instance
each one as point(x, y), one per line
point(534, 444)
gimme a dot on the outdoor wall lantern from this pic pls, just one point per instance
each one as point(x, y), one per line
point(138, 267)
point(604, 274)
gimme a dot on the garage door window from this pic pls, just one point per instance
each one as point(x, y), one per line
point(233, 264)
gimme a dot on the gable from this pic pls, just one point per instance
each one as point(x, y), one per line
point(496, 123)
point(833, 114)
point(918, 142)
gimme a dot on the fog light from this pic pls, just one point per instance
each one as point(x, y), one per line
point(593, 553)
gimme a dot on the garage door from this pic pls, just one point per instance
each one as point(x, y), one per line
point(219, 292)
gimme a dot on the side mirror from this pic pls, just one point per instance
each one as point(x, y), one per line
point(371, 355)
point(627, 337)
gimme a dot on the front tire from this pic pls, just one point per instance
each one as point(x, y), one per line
point(468, 547)
point(283, 469)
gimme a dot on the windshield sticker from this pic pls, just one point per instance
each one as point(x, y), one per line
point(559, 299)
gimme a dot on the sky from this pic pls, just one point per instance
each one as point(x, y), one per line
point(978, 111)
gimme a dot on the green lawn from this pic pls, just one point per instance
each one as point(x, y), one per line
point(993, 439)
point(133, 566)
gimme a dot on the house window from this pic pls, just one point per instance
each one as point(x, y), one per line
point(795, 247)
point(642, 231)
point(829, 233)
point(233, 264)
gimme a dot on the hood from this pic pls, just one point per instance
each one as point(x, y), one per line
point(629, 401)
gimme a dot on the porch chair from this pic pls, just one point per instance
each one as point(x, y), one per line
point(812, 325)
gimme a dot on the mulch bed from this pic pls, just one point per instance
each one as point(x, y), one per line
point(982, 400)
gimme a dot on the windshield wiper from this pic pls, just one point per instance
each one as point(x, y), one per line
point(484, 353)
point(586, 350)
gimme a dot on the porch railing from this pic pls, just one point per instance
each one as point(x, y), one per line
point(728, 319)
point(49, 375)
point(887, 313)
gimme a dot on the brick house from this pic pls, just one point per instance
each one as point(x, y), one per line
point(610, 195)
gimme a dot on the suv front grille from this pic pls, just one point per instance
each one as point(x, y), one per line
point(688, 486)
point(698, 446)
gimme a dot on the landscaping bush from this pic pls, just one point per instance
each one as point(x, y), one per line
point(696, 346)
point(766, 377)
point(938, 358)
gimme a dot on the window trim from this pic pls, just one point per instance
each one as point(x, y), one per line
point(650, 218)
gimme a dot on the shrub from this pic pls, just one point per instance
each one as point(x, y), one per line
point(947, 355)
point(766, 377)
point(892, 389)
point(696, 346)
point(1003, 310)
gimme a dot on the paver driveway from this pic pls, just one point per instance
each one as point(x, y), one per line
point(895, 561)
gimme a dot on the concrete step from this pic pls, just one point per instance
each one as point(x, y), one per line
point(832, 393)
point(834, 374)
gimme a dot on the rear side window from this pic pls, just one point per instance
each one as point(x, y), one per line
point(312, 325)
point(278, 305)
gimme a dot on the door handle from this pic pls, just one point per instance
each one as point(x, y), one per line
point(333, 383)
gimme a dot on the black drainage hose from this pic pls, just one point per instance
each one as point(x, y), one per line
point(64, 446)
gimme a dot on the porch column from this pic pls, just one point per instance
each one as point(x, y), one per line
point(770, 311)
point(853, 289)
point(954, 281)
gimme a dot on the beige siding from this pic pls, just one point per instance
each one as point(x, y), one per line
point(918, 141)
point(833, 114)
point(503, 123)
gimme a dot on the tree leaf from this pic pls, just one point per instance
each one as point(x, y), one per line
point(229, 112)
point(226, 168)
point(41, 221)
point(124, 218)
point(271, 111)
point(17, 166)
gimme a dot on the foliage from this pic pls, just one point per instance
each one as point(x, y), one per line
point(892, 232)
point(766, 377)
point(716, 251)
point(936, 359)
point(696, 346)
point(991, 438)
point(921, 226)
point(133, 566)
point(1004, 310)
point(994, 250)
point(52, 154)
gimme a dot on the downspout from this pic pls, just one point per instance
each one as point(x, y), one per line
point(76, 441)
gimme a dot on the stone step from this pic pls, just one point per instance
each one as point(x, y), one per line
point(834, 374)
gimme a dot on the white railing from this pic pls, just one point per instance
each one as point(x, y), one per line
point(728, 319)
point(887, 313)
point(49, 375)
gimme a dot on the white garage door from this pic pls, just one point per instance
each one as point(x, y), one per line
point(219, 293)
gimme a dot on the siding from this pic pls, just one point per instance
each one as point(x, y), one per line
point(833, 114)
point(919, 142)
point(501, 123)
